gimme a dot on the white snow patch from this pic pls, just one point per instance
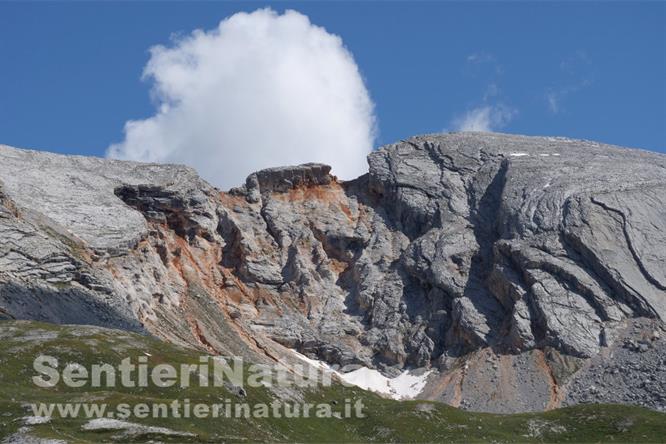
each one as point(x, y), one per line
point(518, 154)
point(106, 424)
point(35, 420)
point(130, 427)
point(404, 386)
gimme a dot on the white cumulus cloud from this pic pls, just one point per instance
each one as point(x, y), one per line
point(260, 90)
point(484, 118)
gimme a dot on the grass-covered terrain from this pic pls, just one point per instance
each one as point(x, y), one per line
point(385, 421)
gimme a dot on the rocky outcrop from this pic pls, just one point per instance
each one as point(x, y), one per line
point(490, 258)
point(286, 178)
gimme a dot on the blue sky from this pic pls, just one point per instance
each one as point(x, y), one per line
point(71, 72)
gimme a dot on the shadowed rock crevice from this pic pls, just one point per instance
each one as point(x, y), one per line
point(485, 220)
point(164, 206)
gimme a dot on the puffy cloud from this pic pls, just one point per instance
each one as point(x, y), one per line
point(260, 90)
point(484, 118)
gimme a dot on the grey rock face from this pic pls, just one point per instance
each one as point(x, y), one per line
point(452, 246)
point(77, 193)
point(280, 179)
point(632, 370)
point(285, 178)
point(502, 225)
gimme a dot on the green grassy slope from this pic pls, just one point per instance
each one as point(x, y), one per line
point(386, 421)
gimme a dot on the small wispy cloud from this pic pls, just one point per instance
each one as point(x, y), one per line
point(576, 70)
point(553, 99)
point(573, 63)
point(486, 118)
point(492, 113)
point(491, 91)
point(480, 57)
point(482, 61)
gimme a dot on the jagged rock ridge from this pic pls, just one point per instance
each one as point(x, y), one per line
point(484, 256)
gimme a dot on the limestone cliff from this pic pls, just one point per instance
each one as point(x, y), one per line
point(511, 265)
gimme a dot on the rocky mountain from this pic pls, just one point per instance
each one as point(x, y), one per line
point(524, 273)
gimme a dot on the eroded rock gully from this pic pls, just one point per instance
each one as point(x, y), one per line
point(511, 265)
